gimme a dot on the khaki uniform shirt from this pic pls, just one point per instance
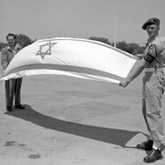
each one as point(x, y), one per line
point(155, 53)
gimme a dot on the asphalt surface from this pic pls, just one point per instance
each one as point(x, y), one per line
point(71, 121)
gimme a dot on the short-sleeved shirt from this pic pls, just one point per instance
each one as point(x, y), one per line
point(155, 53)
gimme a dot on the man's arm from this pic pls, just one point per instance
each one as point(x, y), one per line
point(148, 58)
point(139, 56)
point(4, 60)
point(136, 70)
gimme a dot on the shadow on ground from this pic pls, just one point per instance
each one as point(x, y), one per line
point(108, 135)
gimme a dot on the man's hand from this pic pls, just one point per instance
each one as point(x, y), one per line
point(124, 83)
point(18, 47)
point(139, 56)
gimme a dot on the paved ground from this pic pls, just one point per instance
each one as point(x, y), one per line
point(71, 121)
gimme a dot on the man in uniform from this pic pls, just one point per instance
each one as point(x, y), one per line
point(152, 62)
point(12, 86)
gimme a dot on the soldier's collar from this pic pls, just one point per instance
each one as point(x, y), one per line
point(150, 40)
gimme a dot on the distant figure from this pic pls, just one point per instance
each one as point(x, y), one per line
point(153, 64)
point(12, 86)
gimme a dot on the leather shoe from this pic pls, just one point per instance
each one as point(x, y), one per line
point(153, 156)
point(19, 107)
point(9, 108)
point(147, 145)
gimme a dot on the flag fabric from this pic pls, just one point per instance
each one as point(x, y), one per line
point(75, 57)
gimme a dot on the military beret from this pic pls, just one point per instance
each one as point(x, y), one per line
point(151, 21)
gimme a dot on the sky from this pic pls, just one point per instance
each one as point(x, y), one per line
point(116, 20)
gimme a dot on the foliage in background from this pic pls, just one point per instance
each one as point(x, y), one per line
point(2, 45)
point(23, 40)
point(101, 39)
point(131, 48)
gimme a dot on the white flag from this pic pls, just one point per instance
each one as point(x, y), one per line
point(74, 57)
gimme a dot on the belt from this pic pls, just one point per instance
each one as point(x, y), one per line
point(153, 69)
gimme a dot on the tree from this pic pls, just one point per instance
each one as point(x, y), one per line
point(23, 40)
point(2, 45)
point(131, 48)
point(101, 39)
point(122, 45)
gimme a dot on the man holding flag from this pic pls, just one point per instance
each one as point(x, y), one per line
point(12, 86)
point(153, 64)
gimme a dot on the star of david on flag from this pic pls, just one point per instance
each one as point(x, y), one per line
point(45, 49)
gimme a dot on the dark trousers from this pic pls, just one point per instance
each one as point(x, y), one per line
point(13, 91)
